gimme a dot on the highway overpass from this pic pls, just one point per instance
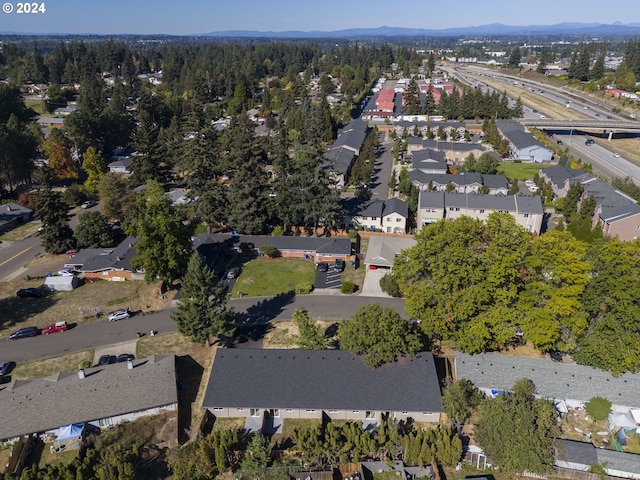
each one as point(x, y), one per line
point(616, 126)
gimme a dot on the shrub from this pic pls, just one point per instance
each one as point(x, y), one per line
point(28, 200)
point(348, 287)
point(269, 251)
point(599, 408)
point(277, 231)
point(352, 234)
point(389, 285)
point(304, 288)
point(74, 195)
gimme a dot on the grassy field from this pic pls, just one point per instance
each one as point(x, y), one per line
point(77, 306)
point(21, 232)
point(49, 366)
point(521, 171)
point(271, 276)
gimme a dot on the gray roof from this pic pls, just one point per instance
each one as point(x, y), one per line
point(372, 208)
point(621, 461)
point(576, 452)
point(339, 159)
point(509, 126)
point(328, 245)
point(429, 159)
point(522, 139)
point(559, 174)
point(321, 380)
point(495, 181)
point(118, 258)
point(50, 402)
point(395, 205)
point(452, 146)
point(120, 162)
point(10, 211)
point(431, 199)
point(552, 379)
point(620, 213)
point(528, 204)
point(382, 250)
point(410, 125)
point(606, 196)
point(352, 135)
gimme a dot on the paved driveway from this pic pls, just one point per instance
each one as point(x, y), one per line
point(329, 279)
point(371, 284)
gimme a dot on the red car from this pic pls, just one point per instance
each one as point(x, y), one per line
point(55, 327)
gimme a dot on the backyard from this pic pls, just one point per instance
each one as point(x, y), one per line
point(265, 276)
point(521, 171)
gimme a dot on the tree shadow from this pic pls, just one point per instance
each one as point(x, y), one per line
point(264, 311)
point(14, 310)
point(189, 377)
point(250, 336)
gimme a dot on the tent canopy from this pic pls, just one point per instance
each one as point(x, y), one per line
point(70, 431)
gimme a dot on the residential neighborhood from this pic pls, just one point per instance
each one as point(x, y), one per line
point(356, 256)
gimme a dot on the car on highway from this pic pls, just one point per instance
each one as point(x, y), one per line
point(24, 332)
point(55, 327)
point(589, 141)
point(121, 314)
point(125, 357)
point(559, 142)
point(322, 267)
point(616, 154)
point(29, 293)
point(107, 360)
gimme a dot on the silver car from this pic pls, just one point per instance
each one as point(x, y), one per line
point(119, 315)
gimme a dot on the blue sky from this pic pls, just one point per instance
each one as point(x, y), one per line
point(182, 17)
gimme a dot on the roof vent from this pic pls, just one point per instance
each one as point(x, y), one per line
point(81, 373)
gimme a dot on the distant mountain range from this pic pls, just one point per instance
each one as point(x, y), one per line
point(494, 29)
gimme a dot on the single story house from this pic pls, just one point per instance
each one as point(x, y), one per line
point(573, 384)
point(308, 384)
point(320, 249)
point(107, 263)
point(434, 206)
point(51, 122)
point(383, 250)
point(12, 215)
point(100, 396)
point(581, 456)
point(390, 216)
point(404, 472)
point(120, 164)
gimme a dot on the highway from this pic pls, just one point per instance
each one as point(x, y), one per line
point(249, 312)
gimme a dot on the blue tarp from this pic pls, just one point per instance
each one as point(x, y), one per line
point(70, 431)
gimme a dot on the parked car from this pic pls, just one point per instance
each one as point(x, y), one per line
point(71, 252)
point(65, 273)
point(107, 360)
point(124, 357)
point(25, 332)
point(373, 267)
point(121, 314)
point(89, 204)
point(322, 267)
point(55, 327)
point(6, 367)
point(233, 273)
point(339, 265)
point(29, 293)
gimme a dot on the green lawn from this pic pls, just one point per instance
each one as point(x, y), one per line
point(521, 171)
point(271, 276)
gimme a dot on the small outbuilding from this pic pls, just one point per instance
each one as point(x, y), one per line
point(61, 283)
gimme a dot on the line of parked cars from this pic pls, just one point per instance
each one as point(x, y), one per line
point(110, 359)
point(338, 266)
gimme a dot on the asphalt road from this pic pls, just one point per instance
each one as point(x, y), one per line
point(251, 312)
point(382, 172)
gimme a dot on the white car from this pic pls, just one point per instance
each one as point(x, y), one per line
point(119, 315)
point(616, 154)
point(65, 273)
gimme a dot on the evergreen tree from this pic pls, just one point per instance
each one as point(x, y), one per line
point(598, 70)
point(256, 457)
point(515, 57)
point(57, 236)
point(93, 231)
point(202, 311)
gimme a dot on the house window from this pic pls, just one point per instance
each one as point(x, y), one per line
point(218, 409)
point(355, 411)
point(405, 413)
point(526, 215)
point(275, 412)
point(427, 413)
point(333, 411)
point(398, 220)
point(482, 210)
point(105, 273)
point(240, 409)
point(310, 410)
point(374, 218)
point(370, 415)
point(255, 412)
point(457, 209)
point(289, 409)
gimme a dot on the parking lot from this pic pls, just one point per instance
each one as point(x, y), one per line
point(328, 279)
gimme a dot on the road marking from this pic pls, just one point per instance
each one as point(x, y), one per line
point(15, 256)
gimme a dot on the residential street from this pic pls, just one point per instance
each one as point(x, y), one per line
point(251, 311)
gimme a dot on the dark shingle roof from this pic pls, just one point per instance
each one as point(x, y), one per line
point(10, 211)
point(50, 402)
point(339, 159)
point(620, 461)
point(117, 258)
point(321, 380)
point(552, 379)
point(330, 245)
point(576, 452)
point(522, 139)
point(559, 174)
point(620, 213)
point(395, 205)
point(431, 199)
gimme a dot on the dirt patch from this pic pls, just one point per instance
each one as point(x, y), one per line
point(20, 233)
point(527, 350)
point(82, 305)
point(581, 427)
point(285, 334)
